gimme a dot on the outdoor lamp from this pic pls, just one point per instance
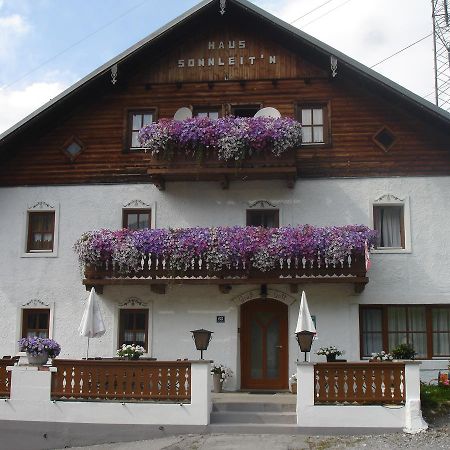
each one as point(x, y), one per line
point(304, 339)
point(201, 338)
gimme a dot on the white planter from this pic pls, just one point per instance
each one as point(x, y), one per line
point(217, 383)
point(38, 360)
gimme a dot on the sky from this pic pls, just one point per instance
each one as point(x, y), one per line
point(48, 45)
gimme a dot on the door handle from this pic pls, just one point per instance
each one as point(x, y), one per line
point(278, 346)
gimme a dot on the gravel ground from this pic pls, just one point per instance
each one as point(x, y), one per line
point(436, 437)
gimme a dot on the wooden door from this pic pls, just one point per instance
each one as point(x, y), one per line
point(264, 345)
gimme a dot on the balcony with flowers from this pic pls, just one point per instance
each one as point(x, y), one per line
point(224, 149)
point(226, 256)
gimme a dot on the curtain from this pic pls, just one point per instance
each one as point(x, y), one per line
point(372, 331)
point(441, 331)
point(388, 223)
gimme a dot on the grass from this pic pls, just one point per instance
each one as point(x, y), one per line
point(435, 401)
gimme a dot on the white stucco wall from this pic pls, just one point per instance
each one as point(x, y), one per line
point(421, 276)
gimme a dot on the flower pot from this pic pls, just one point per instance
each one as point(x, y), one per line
point(331, 358)
point(38, 360)
point(217, 382)
point(293, 388)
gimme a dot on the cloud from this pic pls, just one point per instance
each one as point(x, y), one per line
point(13, 29)
point(17, 104)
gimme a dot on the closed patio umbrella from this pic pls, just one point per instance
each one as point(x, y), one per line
point(304, 323)
point(92, 324)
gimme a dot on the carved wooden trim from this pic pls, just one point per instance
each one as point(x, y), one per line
point(41, 205)
point(137, 204)
point(271, 293)
point(133, 302)
point(35, 303)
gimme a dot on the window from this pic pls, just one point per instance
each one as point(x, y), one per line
point(137, 120)
point(41, 228)
point(426, 328)
point(35, 322)
point(72, 148)
point(267, 218)
point(137, 219)
point(212, 113)
point(391, 219)
point(244, 110)
point(133, 327)
point(315, 128)
point(384, 138)
point(388, 220)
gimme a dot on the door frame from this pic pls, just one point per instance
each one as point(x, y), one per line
point(245, 348)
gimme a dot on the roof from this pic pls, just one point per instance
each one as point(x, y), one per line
point(303, 38)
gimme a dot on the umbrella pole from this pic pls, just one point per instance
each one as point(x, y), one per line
point(87, 350)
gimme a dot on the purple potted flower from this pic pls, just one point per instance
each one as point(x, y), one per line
point(39, 349)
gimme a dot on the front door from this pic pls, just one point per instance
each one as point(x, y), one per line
point(264, 345)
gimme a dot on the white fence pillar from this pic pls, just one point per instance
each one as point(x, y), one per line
point(31, 383)
point(414, 422)
point(201, 389)
point(305, 388)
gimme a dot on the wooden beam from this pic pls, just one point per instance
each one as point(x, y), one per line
point(237, 171)
point(98, 287)
point(359, 287)
point(158, 288)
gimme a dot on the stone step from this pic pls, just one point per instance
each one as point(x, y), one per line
point(253, 407)
point(248, 417)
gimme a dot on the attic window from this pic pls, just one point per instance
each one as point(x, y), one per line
point(384, 138)
point(72, 148)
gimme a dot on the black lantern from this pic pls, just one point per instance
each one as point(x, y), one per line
point(201, 338)
point(304, 339)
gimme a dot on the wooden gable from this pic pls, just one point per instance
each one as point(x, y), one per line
point(269, 66)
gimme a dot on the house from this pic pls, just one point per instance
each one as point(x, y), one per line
point(372, 153)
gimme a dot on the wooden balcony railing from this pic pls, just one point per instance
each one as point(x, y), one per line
point(5, 377)
point(183, 167)
point(363, 383)
point(136, 380)
point(155, 272)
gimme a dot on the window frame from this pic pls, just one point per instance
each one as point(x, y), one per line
point(207, 109)
point(31, 232)
point(385, 331)
point(387, 200)
point(128, 126)
point(121, 327)
point(326, 113)
point(233, 106)
point(24, 320)
point(127, 211)
point(43, 207)
point(251, 211)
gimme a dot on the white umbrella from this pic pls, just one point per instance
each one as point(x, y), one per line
point(92, 325)
point(304, 322)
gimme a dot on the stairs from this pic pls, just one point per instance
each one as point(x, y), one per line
point(266, 414)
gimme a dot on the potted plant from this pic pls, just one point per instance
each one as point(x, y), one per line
point(330, 352)
point(39, 349)
point(220, 374)
point(381, 356)
point(293, 383)
point(403, 351)
point(130, 351)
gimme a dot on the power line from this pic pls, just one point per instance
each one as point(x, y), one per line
point(402, 50)
point(106, 25)
point(312, 10)
point(325, 14)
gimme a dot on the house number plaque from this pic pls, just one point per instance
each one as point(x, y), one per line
point(220, 319)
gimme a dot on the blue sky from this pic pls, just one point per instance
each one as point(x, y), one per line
point(47, 45)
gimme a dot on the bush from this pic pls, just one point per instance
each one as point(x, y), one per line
point(435, 400)
point(403, 351)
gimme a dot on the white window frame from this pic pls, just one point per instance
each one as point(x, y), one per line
point(35, 303)
point(139, 204)
point(40, 206)
point(392, 200)
point(134, 303)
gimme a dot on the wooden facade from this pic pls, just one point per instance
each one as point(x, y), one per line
point(256, 62)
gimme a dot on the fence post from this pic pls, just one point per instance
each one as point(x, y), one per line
point(201, 389)
point(31, 383)
point(305, 387)
point(414, 422)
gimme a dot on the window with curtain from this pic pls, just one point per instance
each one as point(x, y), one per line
point(212, 112)
point(137, 219)
point(425, 327)
point(133, 327)
point(267, 218)
point(388, 220)
point(41, 228)
point(35, 323)
point(136, 121)
point(315, 124)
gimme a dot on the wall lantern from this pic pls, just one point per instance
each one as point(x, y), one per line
point(201, 338)
point(305, 339)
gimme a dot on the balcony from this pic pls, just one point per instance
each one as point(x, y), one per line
point(225, 149)
point(226, 256)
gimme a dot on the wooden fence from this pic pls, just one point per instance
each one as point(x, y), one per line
point(135, 380)
point(5, 377)
point(364, 383)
